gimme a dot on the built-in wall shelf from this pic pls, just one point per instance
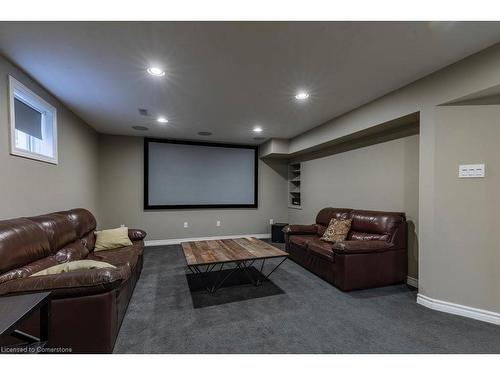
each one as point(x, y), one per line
point(294, 186)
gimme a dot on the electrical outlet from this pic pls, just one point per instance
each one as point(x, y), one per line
point(218, 223)
point(271, 221)
point(186, 225)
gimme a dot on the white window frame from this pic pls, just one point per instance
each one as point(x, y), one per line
point(21, 92)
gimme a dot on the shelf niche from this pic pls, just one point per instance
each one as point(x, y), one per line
point(294, 186)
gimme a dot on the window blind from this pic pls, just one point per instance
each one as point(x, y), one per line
point(28, 119)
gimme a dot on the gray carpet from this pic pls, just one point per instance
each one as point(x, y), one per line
point(295, 313)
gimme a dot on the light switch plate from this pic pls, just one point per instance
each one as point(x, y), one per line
point(471, 171)
point(186, 225)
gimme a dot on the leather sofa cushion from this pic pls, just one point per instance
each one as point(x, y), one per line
point(361, 247)
point(83, 221)
point(326, 214)
point(302, 239)
point(376, 222)
point(74, 251)
point(76, 265)
point(124, 256)
point(89, 241)
point(321, 249)
point(58, 229)
point(359, 236)
point(22, 241)
point(28, 269)
point(71, 252)
point(70, 284)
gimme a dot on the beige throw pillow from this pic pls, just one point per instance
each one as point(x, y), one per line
point(337, 230)
point(111, 239)
point(76, 265)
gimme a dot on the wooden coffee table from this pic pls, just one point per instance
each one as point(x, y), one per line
point(203, 257)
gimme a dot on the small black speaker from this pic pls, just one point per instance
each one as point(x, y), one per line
point(277, 234)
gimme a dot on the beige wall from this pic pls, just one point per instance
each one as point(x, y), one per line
point(471, 75)
point(121, 198)
point(466, 252)
point(30, 187)
point(378, 177)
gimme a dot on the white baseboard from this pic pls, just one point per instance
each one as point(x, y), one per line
point(412, 281)
point(176, 241)
point(456, 309)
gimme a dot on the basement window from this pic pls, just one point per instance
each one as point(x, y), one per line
point(33, 124)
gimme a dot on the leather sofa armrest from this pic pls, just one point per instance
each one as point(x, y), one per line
point(300, 229)
point(69, 284)
point(361, 247)
point(136, 234)
point(400, 236)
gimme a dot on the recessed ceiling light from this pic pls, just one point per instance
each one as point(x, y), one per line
point(302, 95)
point(206, 134)
point(155, 71)
point(257, 129)
point(162, 120)
point(138, 127)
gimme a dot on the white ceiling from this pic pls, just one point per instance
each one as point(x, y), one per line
point(227, 77)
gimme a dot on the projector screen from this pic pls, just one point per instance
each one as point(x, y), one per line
point(180, 174)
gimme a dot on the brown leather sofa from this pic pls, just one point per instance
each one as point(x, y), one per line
point(88, 306)
point(374, 253)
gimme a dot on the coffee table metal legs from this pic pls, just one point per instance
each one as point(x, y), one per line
point(261, 278)
point(243, 266)
point(266, 277)
point(204, 275)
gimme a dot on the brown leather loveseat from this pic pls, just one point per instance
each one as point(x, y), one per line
point(374, 253)
point(88, 306)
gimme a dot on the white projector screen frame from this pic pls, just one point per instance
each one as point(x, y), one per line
point(156, 206)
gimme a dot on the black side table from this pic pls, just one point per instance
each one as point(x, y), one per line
point(277, 234)
point(15, 309)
